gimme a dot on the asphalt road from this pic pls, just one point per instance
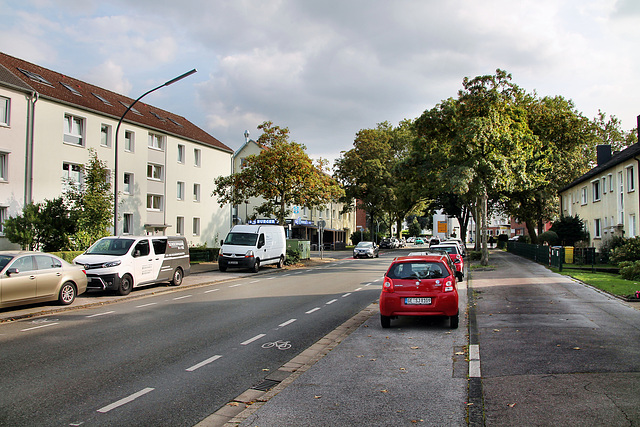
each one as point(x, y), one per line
point(554, 351)
point(173, 358)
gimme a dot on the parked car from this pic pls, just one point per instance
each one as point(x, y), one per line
point(386, 243)
point(402, 243)
point(423, 285)
point(366, 250)
point(434, 241)
point(418, 241)
point(454, 253)
point(31, 277)
point(410, 239)
point(458, 243)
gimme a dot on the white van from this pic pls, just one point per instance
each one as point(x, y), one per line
point(121, 263)
point(250, 246)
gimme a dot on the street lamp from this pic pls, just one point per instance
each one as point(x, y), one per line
point(115, 168)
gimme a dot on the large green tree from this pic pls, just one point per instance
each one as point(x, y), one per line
point(478, 144)
point(282, 174)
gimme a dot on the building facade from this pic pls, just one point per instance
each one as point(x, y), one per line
point(606, 197)
point(166, 165)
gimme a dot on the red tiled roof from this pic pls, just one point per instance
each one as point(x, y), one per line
point(151, 117)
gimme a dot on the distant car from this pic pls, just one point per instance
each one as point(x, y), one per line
point(31, 277)
point(454, 253)
point(422, 285)
point(434, 241)
point(418, 241)
point(410, 239)
point(402, 243)
point(366, 250)
point(386, 244)
point(457, 242)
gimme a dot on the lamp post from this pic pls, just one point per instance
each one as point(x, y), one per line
point(115, 168)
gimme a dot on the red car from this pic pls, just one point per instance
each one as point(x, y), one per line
point(423, 285)
point(454, 252)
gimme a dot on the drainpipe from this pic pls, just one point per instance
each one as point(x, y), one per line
point(28, 178)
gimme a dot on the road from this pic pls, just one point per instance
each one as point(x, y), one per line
point(173, 358)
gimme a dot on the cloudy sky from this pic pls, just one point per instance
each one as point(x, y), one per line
point(328, 68)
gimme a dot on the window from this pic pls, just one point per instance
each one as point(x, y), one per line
point(604, 185)
point(181, 153)
point(632, 226)
point(73, 130)
point(128, 183)
point(196, 192)
point(105, 135)
point(5, 104)
point(154, 202)
point(180, 190)
point(129, 139)
point(180, 226)
point(71, 175)
point(154, 172)
point(4, 167)
point(3, 217)
point(584, 195)
point(596, 190)
point(101, 98)
point(127, 223)
point(196, 226)
point(631, 182)
point(197, 156)
point(159, 246)
point(610, 183)
point(156, 141)
point(597, 229)
point(71, 89)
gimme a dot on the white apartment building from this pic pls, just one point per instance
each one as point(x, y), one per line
point(166, 164)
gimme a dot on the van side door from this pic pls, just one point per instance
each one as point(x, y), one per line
point(262, 247)
point(162, 268)
point(143, 262)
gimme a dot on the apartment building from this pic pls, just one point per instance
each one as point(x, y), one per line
point(606, 197)
point(166, 164)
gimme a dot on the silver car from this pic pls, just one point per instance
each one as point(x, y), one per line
point(31, 277)
point(366, 250)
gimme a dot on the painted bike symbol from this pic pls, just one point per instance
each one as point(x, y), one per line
point(280, 345)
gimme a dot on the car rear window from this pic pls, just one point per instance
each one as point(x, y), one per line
point(417, 270)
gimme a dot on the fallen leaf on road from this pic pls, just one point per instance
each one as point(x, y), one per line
point(360, 355)
point(496, 330)
point(384, 391)
point(459, 352)
point(265, 369)
point(511, 405)
point(402, 369)
point(414, 348)
point(577, 348)
point(317, 396)
point(469, 404)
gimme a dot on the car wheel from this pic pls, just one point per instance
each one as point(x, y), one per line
point(454, 320)
point(177, 277)
point(256, 266)
point(385, 321)
point(222, 268)
point(67, 294)
point(378, 255)
point(280, 262)
point(126, 284)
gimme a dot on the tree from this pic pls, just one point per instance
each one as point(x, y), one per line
point(414, 228)
point(570, 229)
point(282, 174)
point(477, 145)
point(91, 204)
point(47, 226)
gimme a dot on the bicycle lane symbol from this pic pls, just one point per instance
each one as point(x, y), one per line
point(280, 345)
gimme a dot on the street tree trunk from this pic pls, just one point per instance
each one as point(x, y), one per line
point(483, 213)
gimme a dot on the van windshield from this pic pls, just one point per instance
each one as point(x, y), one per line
point(110, 247)
point(241, 239)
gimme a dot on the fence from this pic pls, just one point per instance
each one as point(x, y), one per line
point(554, 256)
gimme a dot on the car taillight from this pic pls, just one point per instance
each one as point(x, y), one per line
point(448, 286)
point(387, 285)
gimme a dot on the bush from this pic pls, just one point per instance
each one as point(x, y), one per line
point(630, 270)
point(475, 255)
point(607, 246)
point(293, 257)
point(502, 241)
point(550, 237)
point(67, 255)
point(629, 251)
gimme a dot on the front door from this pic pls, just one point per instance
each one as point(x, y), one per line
point(143, 262)
point(21, 285)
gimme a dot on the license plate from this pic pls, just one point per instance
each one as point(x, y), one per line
point(417, 301)
point(233, 262)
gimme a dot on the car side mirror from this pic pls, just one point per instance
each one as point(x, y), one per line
point(12, 271)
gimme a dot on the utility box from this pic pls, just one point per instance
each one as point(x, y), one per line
point(568, 254)
point(302, 246)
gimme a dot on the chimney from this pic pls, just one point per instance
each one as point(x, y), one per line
point(603, 154)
